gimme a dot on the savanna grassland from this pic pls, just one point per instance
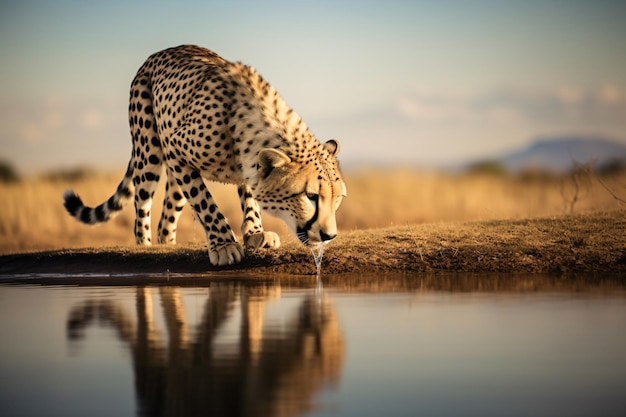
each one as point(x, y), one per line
point(391, 220)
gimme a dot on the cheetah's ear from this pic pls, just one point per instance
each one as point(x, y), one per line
point(332, 146)
point(269, 159)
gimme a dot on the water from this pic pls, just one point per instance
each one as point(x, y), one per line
point(318, 252)
point(396, 345)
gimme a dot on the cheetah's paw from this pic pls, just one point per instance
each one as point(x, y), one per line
point(265, 240)
point(230, 253)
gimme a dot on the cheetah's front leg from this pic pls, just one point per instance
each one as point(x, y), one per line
point(254, 236)
point(223, 247)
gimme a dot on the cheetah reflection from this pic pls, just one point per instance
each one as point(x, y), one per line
point(267, 372)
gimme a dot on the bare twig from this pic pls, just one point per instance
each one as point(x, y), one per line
point(580, 177)
point(606, 187)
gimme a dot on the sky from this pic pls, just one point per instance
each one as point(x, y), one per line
point(419, 83)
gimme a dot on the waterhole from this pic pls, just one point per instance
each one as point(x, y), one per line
point(368, 345)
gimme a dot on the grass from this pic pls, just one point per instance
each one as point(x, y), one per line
point(391, 220)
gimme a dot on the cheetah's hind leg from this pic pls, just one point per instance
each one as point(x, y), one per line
point(173, 204)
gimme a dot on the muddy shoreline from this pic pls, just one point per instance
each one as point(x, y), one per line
point(588, 243)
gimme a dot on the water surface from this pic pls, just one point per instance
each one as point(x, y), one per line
point(387, 345)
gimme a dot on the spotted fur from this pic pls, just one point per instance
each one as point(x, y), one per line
point(203, 117)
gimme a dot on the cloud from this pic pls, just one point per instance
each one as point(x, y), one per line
point(611, 94)
point(93, 118)
point(31, 123)
point(428, 106)
point(52, 119)
point(55, 131)
point(432, 127)
point(30, 132)
point(605, 104)
point(37, 124)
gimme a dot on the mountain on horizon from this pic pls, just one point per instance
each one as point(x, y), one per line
point(559, 154)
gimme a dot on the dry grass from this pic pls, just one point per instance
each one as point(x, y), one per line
point(382, 199)
point(33, 217)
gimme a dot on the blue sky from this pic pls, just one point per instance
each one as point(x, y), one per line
point(424, 83)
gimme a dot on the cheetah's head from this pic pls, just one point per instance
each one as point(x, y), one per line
point(305, 192)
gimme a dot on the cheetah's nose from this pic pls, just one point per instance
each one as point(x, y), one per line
point(326, 238)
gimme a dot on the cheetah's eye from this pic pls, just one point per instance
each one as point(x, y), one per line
point(312, 196)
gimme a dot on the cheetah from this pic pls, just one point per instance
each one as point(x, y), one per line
point(208, 119)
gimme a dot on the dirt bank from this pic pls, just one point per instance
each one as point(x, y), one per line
point(593, 242)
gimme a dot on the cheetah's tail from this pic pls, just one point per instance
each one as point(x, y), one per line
point(105, 211)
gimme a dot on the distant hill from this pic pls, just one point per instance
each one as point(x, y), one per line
point(557, 154)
